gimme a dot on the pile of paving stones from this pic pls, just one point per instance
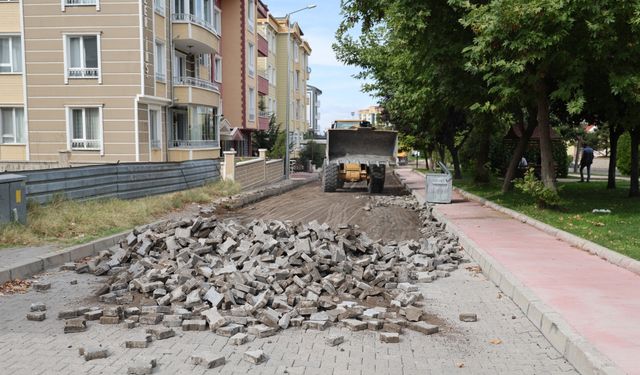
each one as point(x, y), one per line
point(253, 280)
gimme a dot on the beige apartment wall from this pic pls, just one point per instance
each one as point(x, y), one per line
point(10, 16)
point(281, 77)
point(232, 63)
point(11, 89)
point(13, 152)
point(117, 22)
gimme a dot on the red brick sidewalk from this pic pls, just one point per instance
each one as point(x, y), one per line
point(599, 300)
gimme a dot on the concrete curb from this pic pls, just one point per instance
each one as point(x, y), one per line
point(35, 265)
point(575, 348)
point(602, 252)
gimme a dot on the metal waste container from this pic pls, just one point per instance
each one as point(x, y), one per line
point(13, 203)
point(439, 186)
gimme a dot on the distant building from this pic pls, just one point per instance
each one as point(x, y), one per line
point(313, 106)
point(371, 114)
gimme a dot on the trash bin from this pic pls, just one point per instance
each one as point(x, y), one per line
point(439, 186)
point(13, 203)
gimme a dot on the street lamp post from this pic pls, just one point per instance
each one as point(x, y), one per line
point(288, 118)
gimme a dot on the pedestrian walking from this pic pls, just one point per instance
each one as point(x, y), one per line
point(585, 162)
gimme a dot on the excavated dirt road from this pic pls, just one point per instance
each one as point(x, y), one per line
point(345, 206)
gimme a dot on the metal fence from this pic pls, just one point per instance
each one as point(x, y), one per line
point(125, 181)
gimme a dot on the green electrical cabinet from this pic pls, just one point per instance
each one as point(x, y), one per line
point(13, 203)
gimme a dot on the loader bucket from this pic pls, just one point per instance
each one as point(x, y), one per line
point(361, 145)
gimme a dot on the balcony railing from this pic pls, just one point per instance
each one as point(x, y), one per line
point(160, 77)
point(71, 3)
point(193, 143)
point(196, 82)
point(84, 72)
point(86, 144)
point(252, 116)
point(156, 144)
point(186, 17)
point(265, 114)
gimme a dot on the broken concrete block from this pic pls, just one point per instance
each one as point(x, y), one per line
point(354, 325)
point(142, 367)
point(389, 337)
point(151, 319)
point(335, 340)
point(207, 360)
point(413, 314)
point(109, 320)
point(161, 333)
point(37, 316)
point(424, 327)
point(41, 286)
point(90, 354)
point(38, 307)
point(68, 314)
point(468, 317)
point(239, 339)
point(254, 356)
point(194, 325)
point(139, 342)
point(261, 331)
point(320, 325)
point(75, 325)
point(93, 315)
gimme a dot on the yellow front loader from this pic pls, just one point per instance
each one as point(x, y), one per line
point(358, 152)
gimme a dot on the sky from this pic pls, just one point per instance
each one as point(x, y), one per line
point(341, 93)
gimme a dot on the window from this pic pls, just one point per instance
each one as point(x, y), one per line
point(10, 54)
point(179, 65)
point(155, 134)
point(252, 104)
point(83, 57)
point(297, 109)
point(217, 20)
point(85, 128)
point(251, 15)
point(12, 125)
point(296, 52)
point(194, 126)
point(160, 62)
point(79, 3)
point(199, 12)
point(296, 80)
point(217, 69)
point(251, 59)
point(158, 6)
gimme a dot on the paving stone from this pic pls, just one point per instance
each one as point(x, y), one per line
point(229, 330)
point(41, 286)
point(109, 320)
point(389, 337)
point(207, 360)
point(91, 353)
point(335, 340)
point(261, 331)
point(194, 325)
point(37, 316)
point(151, 319)
point(93, 315)
point(354, 325)
point(75, 325)
point(239, 339)
point(39, 306)
point(161, 333)
point(424, 327)
point(254, 356)
point(468, 317)
point(139, 342)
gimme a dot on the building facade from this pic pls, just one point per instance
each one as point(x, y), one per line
point(110, 80)
point(371, 114)
point(139, 80)
point(313, 108)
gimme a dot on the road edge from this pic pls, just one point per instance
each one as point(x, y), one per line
point(38, 264)
point(574, 348)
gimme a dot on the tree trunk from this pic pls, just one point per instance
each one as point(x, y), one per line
point(547, 172)
point(482, 173)
point(577, 154)
point(634, 189)
point(614, 135)
point(519, 152)
point(457, 172)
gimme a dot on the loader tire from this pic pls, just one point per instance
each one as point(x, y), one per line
point(330, 178)
point(376, 179)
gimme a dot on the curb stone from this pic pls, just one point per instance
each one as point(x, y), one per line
point(600, 251)
point(575, 348)
point(38, 264)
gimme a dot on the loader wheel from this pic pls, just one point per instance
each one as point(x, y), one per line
point(329, 177)
point(376, 179)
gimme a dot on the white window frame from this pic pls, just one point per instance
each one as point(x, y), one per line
point(160, 45)
point(217, 20)
point(159, 6)
point(79, 3)
point(251, 15)
point(296, 52)
point(10, 37)
point(158, 127)
point(251, 59)
point(217, 69)
point(252, 104)
point(15, 132)
point(67, 50)
point(68, 110)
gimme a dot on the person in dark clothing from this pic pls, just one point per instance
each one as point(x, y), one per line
point(585, 161)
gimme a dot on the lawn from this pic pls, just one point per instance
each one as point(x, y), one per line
point(618, 231)
point(74, 222)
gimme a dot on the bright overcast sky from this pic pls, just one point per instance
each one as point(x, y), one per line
point(340, 91)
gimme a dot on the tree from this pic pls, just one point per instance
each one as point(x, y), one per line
point(266, 138)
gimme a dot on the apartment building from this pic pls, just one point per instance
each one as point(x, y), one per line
point(109, 80)
point(313, 108)
point(371, 114)
point(292, 70)
point(268, 29)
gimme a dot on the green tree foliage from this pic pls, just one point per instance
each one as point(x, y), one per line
point(624, 154)
point(266, 138)
point(312, 152)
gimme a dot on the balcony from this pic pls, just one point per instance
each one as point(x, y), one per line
point(263, 85)
point(263, 46)
point(264, 118)
point(191, 90)
point(193, 34)
point(84, 72)
point(72, 3)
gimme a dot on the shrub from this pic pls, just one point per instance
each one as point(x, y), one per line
point(530, 185)
point(624, 154)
